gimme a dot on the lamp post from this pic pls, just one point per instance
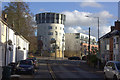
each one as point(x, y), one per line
point(56, 45)
point(98, 31)
point(89, 43)
point(98, 24)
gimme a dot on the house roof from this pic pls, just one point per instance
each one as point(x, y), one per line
point(110, 34)
point(115, 32)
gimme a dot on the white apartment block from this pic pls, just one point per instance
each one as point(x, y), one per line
point(73, 42)
point(51, 26)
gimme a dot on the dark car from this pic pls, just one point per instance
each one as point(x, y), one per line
point(84, 58)
point(34, 61)
point(74, 58)
point(25, 66)
point(13, 67)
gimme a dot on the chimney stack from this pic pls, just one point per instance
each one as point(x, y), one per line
point(112, 28)
point(117, 25)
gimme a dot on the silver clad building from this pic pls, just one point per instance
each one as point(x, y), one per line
point(50, 26)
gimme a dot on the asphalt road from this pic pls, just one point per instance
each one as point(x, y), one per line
point(62, 70)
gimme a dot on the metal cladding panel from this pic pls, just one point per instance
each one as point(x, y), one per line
point(50, 18)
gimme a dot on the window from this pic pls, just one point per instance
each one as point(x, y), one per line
point(82, 37)
point(56, 33)
point(60, 34)
point(57, 16)
point(49, 27)
point(113, 65)
point(114, 46)
point(114, 40)
point(50, 33)
point(86, 37)
point(60, 28)
point(57, 20)
point(85, 46)
point(63, 40)
point(77, 37)
point(55, 27)
point(2, 30)
point(107, 47)
point(93, 47)
point(117, 39)
point(108, 64)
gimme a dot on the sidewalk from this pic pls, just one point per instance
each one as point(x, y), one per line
point(0, 72)
point(88, 68)
point(51, 58)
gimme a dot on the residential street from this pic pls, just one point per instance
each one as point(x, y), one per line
point(63, 69)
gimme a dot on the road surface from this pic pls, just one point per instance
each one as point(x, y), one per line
point(62, 70)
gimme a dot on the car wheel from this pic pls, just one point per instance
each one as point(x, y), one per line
point(32, 72)
point(115, 77)
point(105, 77)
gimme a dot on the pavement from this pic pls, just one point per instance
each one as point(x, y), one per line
point(89, 68)
point(51, 58)
point(0, 73)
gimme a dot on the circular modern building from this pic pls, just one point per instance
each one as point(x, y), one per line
point(50, 32)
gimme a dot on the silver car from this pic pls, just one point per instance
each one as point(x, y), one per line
point(112, 70)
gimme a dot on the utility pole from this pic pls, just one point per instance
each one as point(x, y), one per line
point(6, 41)
point(98, 28)
point(55, 45)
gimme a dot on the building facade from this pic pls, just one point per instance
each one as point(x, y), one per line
point(76, 44)
point(50, 26)
point(110, 44)
point(10, 41)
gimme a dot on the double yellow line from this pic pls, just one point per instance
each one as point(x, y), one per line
point(51, 71)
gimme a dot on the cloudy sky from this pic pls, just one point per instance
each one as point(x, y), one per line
point(75, 14)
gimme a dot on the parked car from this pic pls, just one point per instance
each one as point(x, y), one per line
point(13, 67)
point(112, 70)
point(34, 61)
point(74, 58)
point(25, 66)
point(84, 58)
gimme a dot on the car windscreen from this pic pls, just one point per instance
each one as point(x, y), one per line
point(25, 63)
point(31, 59)
point(118, 66)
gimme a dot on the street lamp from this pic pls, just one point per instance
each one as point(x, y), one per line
point(98, 31)
point(98, 24)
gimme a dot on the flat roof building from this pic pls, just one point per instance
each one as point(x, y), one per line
point(50, 26)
